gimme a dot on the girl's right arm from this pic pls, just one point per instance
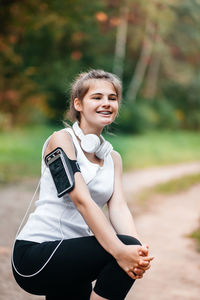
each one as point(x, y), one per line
point(127, 256)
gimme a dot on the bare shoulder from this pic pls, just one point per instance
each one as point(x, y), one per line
point(116, 158)
point(62, 139)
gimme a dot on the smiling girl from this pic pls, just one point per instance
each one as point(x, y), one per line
point(93, 248)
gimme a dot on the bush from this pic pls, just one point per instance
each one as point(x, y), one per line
point(143, 115)
point(193, 120)
point(186, 100)
point(167, 116)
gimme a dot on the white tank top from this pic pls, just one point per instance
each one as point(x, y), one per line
point(52, 212)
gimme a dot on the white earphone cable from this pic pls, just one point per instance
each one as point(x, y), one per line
point(12, 258)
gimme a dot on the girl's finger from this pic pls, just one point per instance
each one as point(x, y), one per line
point(144, 250)
point(132, 275)
point(145, 268)
point(149, 258)
point(143, 263)
point(148, 267)
point(138, 271)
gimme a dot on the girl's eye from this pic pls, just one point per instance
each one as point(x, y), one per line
point(99, 98)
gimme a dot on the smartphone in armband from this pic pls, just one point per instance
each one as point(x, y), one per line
point(62, 170)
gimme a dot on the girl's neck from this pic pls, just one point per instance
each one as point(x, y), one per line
point(88, 129)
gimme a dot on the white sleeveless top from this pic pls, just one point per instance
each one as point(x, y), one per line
point(53, 215)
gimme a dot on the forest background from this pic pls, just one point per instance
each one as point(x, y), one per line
point(153, 46)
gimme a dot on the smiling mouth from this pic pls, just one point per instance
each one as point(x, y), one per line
point(106, 113)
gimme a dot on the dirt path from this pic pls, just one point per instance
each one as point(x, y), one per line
point(136, 180)
point(175, 272)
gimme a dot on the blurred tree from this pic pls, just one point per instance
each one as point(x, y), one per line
point(181, 66)
point(121, 39)
point(154, 45)
point(43, 45)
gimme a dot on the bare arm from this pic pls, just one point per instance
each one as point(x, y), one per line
point(119, 212)
point(80, 195)
point(126, 256)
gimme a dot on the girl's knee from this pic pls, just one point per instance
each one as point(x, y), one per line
point(128, 240)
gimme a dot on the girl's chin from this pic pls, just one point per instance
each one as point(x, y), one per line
point(106, 120)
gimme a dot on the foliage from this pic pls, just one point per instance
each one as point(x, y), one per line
point(44, 44)
point(186, 100)
point(144, 115)
point(136, 117)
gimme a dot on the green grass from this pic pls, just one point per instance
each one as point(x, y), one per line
point(157, 148)
point(20, 150)
point(170, 187)
point(196, 235)
point(177, 185)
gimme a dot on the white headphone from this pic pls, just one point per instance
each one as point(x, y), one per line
point(91, 143)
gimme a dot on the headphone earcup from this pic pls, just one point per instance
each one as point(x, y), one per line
point(90, 143)
point(104, 149)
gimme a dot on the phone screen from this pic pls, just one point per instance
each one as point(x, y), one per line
point(59, 175)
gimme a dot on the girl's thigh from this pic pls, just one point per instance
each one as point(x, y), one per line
point(74, 265)
point(78, 292)
point(82, 259)
point(71, 269)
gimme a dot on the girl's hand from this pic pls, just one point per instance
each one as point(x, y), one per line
point(141, 269)
point(144, 251)
point(132, 262)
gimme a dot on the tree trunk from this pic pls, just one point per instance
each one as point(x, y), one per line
point(142, 62)
point(120, 46)
point(153, 71)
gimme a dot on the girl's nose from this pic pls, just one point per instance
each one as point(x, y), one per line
point(106, 101)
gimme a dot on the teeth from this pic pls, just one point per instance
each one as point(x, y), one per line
point(104, 112)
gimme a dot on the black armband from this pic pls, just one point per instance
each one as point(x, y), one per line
point(62, 170)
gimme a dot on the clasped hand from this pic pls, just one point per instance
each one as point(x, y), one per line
point(134, 260)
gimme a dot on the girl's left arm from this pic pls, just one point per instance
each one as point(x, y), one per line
point(119, 213)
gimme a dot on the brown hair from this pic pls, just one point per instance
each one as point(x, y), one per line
point(81, 85)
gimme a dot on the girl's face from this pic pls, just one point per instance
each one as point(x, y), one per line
point(99, 106)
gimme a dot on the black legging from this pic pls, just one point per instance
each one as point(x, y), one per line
point(70, 272)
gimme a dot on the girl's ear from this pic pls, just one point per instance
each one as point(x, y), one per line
point(77, 104)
